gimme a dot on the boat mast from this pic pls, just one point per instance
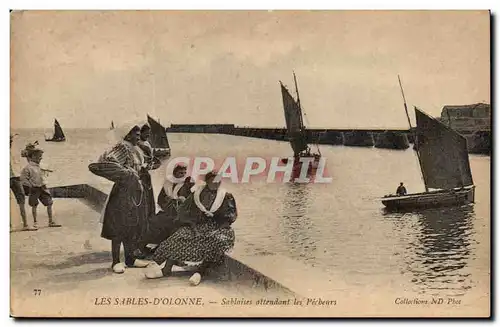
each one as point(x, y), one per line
point(414, 136)
point(298, 100)
point(300, 107)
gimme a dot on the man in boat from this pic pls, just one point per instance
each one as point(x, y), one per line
point(401, 190)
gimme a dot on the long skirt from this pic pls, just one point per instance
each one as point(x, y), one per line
point(159, 227)
point(122, 220)
point(209, 246)
point(124, 215)
point(148, 194)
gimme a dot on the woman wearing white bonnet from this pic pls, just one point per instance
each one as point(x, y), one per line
point(206, 234)
point(124, 215)
point(175, 190)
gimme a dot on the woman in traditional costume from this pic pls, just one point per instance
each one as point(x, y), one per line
point(175, 190)
point(207, 215)
point(125, 211)
point(150, 164)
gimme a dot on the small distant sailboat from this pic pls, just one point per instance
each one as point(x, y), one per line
point(159, 139)
point(444, 163)
point(112, 126)
point(296, 130)
point(58, 133)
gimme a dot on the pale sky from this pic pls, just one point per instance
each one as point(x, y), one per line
point(88, 68)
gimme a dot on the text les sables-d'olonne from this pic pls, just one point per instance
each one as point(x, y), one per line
point(140, 301)
point(188, 301)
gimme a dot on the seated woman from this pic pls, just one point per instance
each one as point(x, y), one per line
point(207, 215)
point(173, 193)
point(163, 224)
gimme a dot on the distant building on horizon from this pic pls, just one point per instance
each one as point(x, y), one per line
point(472, 121)
point(467, 118)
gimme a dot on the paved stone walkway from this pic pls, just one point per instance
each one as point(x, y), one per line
point(66, 272)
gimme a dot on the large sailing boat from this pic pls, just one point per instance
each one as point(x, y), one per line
point(444, 163)
point(296, 130)
point(159, 139)
point(58, 133)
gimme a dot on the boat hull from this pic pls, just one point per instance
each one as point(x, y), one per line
point(444, 198)
point(297, 166)
point(55, 140)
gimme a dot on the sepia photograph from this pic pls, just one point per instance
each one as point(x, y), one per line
point(250, 163)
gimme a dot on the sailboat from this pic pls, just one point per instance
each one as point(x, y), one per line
point(159, 139)
point(444, 164)
point(112, 126)
point(296, 130)
point(58, 133)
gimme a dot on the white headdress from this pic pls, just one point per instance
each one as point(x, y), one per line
point(118, 133)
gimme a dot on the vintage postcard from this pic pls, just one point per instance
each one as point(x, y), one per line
point(250, 164)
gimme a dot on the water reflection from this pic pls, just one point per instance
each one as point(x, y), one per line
point(440, 252)
point(341, 218)
point(296, 226)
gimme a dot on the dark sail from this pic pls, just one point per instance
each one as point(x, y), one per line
point(158, 137)
point(58, 132)
point(112, 125)
point(294, 125)
point(443, 154)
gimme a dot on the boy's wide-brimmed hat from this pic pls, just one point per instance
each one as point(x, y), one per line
point(30, 149)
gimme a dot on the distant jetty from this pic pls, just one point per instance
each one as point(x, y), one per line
point(331, 137)
point(392, 140)
point(358, 138)
point(347, 137)
point(471, 121)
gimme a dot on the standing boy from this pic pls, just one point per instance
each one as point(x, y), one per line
point(17, 189)
point(32, 176)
